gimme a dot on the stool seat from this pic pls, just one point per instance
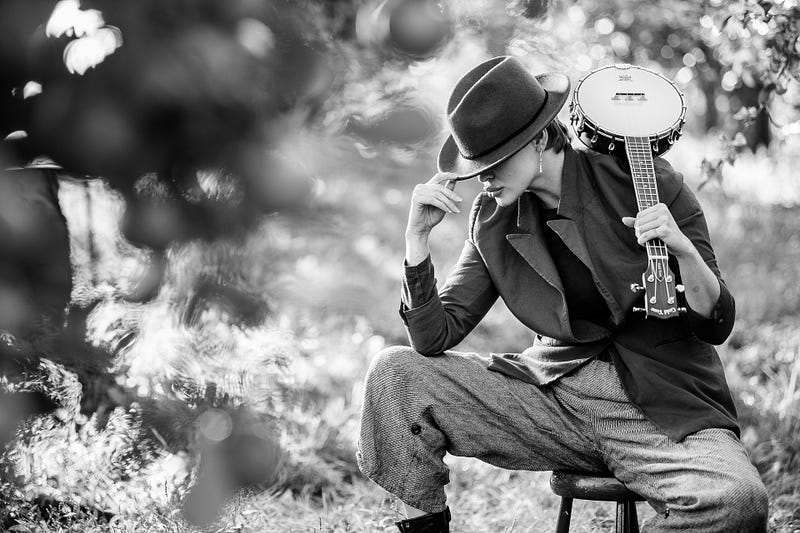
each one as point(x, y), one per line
point(584, 487)
point(573, 485)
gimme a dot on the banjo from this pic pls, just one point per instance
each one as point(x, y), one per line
point(635, 113)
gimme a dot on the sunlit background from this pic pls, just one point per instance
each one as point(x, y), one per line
point(206, 251)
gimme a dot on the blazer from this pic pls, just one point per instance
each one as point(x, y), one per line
point(668, 367)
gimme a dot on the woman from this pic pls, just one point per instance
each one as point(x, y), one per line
point(601, 389)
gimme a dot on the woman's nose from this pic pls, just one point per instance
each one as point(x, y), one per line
point(485, 177)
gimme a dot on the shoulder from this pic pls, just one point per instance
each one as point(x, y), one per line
point(603, 166)
point(669, 180)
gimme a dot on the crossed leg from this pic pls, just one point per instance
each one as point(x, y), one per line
point(704, 483)
point(418, 408)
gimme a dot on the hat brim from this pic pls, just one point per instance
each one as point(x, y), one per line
point(451, 161)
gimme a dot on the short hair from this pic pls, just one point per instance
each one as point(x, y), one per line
point(558, 135)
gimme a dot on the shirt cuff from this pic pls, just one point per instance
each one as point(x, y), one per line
point(715, 328)
point(419, 284)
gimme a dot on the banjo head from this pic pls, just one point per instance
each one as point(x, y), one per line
point(619, 101)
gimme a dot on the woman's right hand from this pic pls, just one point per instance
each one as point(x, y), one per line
point(429, 203)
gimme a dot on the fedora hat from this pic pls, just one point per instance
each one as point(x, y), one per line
point(494, 111)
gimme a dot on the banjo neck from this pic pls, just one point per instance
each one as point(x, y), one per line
point(629, 111)
point(640, 158)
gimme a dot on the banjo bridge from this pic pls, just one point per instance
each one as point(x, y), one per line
point(630, 97)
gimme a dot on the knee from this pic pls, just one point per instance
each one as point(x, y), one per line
point(745, 505)
point(393, 365)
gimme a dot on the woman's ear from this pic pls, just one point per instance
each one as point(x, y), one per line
point(543, 139)
point(540, 141)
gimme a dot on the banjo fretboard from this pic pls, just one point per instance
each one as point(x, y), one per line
point(643, 173)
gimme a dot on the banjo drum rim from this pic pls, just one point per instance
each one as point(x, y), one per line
point(577, 112)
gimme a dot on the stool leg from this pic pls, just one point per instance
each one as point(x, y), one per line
point(627, 520)
point(564, 515)
point(633, 519)
point(622, 518)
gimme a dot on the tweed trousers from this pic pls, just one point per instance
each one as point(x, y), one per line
point(416, 409)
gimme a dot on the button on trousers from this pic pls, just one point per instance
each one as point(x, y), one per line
point(416, 409)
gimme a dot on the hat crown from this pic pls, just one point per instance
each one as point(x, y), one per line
point(492, 103)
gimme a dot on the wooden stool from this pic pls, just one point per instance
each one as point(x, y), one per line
point(570, 485)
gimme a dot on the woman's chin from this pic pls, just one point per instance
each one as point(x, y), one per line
point(503, 200)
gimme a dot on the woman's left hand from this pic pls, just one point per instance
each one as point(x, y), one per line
point(656, 222)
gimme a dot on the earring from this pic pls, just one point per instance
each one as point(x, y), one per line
point(541, 154)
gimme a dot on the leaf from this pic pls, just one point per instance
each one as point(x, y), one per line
point(739, 140)
point(745, 112)
point(148, 285)
point(765, 93)
point(766, 5)
point(711, 170)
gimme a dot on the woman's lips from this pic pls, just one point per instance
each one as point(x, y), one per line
point(492, 191)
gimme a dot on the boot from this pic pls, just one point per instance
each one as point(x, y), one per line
point(429, 523)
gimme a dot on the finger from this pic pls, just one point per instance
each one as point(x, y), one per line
point(655, 208)
point(443, 190)
point(451, 204)
point(442, 177)
point(658, 212)
point(436, 198)
point(647, 225)
point(649, 235)
point(447, 189)
point(438, 203)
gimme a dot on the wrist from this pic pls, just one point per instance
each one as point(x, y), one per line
point(686, 251)
point(416, 248)
point(417, 235)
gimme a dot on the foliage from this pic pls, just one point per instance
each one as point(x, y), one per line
point(260, 156)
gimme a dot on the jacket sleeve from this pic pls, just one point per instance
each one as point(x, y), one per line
point(436, 322)
point(690, 218)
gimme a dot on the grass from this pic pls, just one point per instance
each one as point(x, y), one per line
point(330, 280)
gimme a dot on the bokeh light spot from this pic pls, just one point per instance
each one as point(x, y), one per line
point(90, 50)
point(626, 18)
point(684, 76)
point(69, 19)
point(604, 26)
point(576, 15)
point(673, 40)
point(215, 424)
point(597, 52)
point(620, 43)
point(31, 89)
point(729, 80)
point(255, 36)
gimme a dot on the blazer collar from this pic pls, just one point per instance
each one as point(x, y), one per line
point(568, 205)
point(529, 241)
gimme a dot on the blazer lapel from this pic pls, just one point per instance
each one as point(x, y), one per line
point(577, 198)
point(569, 232)
point(530, 243)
